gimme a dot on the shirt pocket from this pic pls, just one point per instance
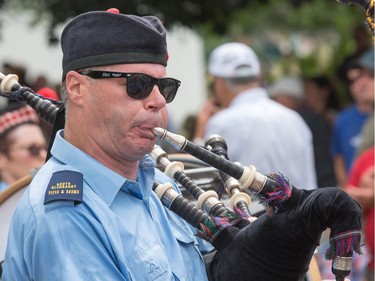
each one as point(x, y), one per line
point(149, 263)
point(190, 252)
point(184, 236)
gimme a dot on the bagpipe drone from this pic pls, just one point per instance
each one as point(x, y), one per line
point(277, 245)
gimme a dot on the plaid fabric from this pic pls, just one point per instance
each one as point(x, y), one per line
point(17, 117)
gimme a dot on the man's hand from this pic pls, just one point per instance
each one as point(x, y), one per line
point(208, 110)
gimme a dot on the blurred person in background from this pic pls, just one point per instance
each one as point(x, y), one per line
point(22, 143)
point(19, 70)
point(349, 122)
point(289, 91)
point(321, 97)
point(362, 41)
point(48, 92)
point(360, 186)
point(258, 130)
point(367, 135)
point(41, 81)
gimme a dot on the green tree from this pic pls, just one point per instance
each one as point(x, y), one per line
point(304, 37)
point(217, 17)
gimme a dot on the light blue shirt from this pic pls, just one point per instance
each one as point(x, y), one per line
point(3, 185)
point(120, 230)
point(263, 133)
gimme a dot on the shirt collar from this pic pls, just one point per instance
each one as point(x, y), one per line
point(103, 181)
point(253, 94)
point(3, 185)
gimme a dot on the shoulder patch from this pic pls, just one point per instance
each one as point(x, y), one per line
point(66, 186)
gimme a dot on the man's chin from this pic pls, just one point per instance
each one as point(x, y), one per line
point(147, 146)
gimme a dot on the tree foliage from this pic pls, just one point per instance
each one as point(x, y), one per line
point(274, 28)
point(218, 17)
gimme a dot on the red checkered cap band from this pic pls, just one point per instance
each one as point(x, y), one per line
point(17, 117)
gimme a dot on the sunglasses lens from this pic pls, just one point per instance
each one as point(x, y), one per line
point(139, 86)
point(168, 88)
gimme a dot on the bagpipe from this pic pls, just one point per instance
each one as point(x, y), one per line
point(278, 245)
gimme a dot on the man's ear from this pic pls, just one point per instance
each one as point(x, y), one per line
point(74, 82)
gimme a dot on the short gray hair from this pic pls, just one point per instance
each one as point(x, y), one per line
point(63, 92)
point(238, 81)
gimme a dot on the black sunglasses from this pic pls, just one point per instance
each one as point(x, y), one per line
point(139, 85)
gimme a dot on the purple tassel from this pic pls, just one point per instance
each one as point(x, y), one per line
point(280, 194)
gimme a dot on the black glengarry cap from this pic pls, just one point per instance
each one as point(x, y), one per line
point(103, 38)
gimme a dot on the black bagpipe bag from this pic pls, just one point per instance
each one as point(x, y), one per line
point(279, 246)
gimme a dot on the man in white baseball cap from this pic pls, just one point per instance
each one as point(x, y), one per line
point(234, 60)
point(258, 131)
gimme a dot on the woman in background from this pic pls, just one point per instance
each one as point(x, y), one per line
point(22, 143)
